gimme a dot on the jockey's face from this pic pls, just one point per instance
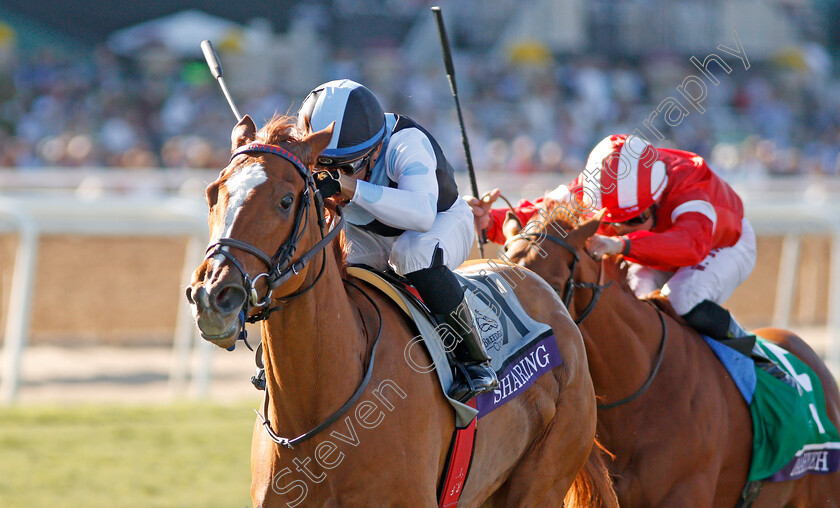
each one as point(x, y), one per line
point(371, 161)
point(356, 169)
point(643, 222)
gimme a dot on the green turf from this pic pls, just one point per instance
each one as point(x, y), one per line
point(188, 455)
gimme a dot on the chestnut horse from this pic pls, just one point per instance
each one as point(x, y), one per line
point(370, 433)
point(680, 430)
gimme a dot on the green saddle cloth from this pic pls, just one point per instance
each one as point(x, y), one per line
point(792, 433)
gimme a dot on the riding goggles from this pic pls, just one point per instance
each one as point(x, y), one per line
point(635, 221)
point(348, 168)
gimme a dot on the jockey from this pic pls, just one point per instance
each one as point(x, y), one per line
point(679, 224)
point(402, 209)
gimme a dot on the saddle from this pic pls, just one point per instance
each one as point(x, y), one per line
point(792, 434)
point(521, 348)
point(395, 281)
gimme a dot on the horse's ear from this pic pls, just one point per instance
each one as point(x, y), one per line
point(511, 226)
point(590, 227)
point(305, 124)
point(244, 133)
point(318, 141)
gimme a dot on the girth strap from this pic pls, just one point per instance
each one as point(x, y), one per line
point(749, 494)
point(458, 462)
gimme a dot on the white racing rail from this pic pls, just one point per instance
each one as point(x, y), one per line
point(31, 216)
point(793, 218)
point(789, 209)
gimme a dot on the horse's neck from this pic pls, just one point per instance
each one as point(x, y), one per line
point(314, 348)
point(622, 337)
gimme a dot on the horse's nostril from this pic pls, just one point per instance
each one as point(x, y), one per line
point(189, 295)
point(230, 298)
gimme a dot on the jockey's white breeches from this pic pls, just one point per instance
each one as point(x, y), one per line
point(453, 231)
point(715, 278)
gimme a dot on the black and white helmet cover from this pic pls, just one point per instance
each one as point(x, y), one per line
point(358, 116)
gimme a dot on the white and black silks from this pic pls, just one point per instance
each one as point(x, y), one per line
point(410, 182)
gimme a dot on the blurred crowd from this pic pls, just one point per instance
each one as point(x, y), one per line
point(779, 117)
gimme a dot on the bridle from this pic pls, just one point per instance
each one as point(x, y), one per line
point(571, 284)
point(280, 267)
point(597, 289)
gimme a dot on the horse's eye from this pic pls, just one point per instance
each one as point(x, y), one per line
point(287, 201)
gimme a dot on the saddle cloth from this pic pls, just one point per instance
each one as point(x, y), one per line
point(521, 348)
point(792, 434)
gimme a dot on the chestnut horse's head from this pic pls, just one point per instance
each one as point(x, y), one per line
point(553, 244)
point(556, 227)
point(264, 214)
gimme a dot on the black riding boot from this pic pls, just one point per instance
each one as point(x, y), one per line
point(714, 321)
point(469, 351)
point(445, 298)
point(711, 319)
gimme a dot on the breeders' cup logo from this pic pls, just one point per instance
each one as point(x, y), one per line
point(490, 330)
point(487, 318)
point(326, 161)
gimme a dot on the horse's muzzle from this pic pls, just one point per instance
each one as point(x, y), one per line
point(216, 311)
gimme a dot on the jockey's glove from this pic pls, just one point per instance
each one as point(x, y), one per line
point(327, 183)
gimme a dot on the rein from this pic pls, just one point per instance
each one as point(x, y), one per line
point(289, 443)
point(653, 372)
point(571, 284)
point(597, 289)
point(280, 269)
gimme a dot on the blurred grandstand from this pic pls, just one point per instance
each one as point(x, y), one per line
point(541, 83)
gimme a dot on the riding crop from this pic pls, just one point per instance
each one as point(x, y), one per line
point(450, 74)
point(216, 71)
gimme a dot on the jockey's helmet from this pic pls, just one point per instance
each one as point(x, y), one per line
point(359, 123)
point(624, 175)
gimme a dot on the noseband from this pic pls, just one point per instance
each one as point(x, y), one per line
point(280, 267)
point(571, 283)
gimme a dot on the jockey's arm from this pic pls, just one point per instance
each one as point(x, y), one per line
point(524, 211)
point(686, 243)
point(413, 204)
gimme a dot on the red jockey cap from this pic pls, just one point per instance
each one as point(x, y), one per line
point(624, 175)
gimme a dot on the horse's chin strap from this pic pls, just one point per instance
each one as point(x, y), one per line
point(571, 284)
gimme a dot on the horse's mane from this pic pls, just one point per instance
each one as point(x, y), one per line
point(340, 253)
point(286, 129)
point(560, 208)
point(552, 214)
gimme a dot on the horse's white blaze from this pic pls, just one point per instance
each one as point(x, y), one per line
point(239, 187)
